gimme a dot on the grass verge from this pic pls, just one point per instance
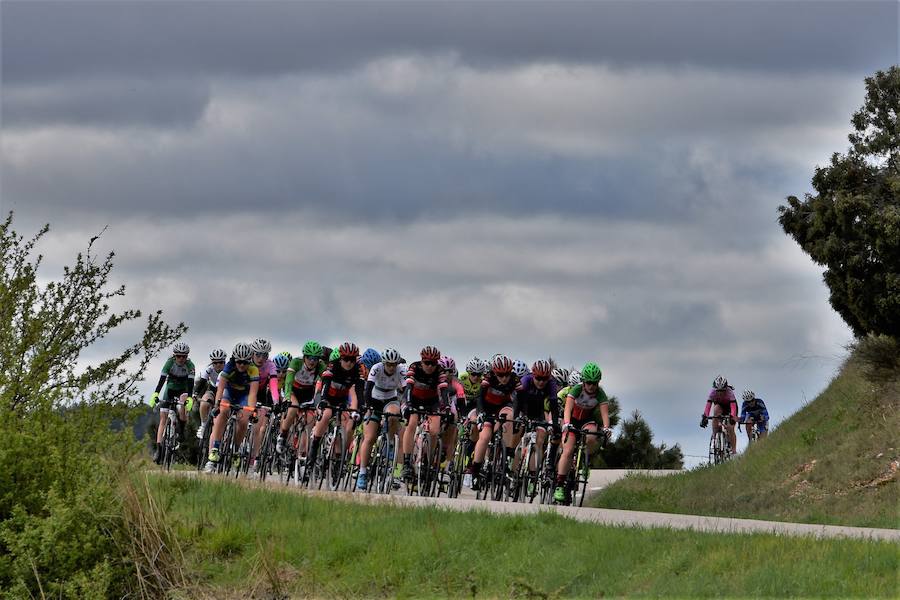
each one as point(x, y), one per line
point(266, 543)
point(834, 462)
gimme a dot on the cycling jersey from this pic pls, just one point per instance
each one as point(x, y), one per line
point(531, 401)
point(237, 382)
point(302, 381)
point(268, 381)
point(425, 389)
point(337, 382)
point(178, 378)
point(208, 380)
point(755, 409)
point(585, 407)
point(724, 398)
point(494, 395)
point(384, 386)
point(456, 396)
point(470, 386)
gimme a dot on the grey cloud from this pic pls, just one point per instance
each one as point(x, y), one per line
point(106, 102)
point(62, 40)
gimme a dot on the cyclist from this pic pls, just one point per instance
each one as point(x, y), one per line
point(238, 385)
point(586, 404)
point(498, 392)
point(520, 369)
point(282, 361)
point(456, 395)
point(722, 401)
point(178, 371)
point(471, 382)
point(336, 389)
point(369, 359)
point(754, 411)
point(535, 396)
point(269, 394)
point(426, 390)
point(205, 387)
point(383, 386)
point(300, 386)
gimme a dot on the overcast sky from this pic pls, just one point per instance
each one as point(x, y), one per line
point(596, 181)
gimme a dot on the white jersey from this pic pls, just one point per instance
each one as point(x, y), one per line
point(211, 376)
point(386, 386)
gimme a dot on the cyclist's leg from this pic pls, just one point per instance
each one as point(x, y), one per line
point(592, 441)
point(748, 427)
point(449, 439)
point(318, 431)
point(206, 402)
point(762, 427)
point(732, 436)
point(535, 459)
point(260, 429)
point(371, 427)
point(434, 429)
point(509, 439)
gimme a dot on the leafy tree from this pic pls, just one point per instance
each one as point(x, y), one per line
point(634, 448)
point(851, 225)
point(61, 518)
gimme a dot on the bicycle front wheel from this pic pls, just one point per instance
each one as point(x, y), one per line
point(337, 460)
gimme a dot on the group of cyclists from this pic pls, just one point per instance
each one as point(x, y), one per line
point(364, 388)
point(375, 390)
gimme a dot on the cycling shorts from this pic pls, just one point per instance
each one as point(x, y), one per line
point(170, 399)
point(378, 406)
point(492, 410)
point(235, 397)
point(761, 425)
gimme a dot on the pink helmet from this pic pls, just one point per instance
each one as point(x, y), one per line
point(447, 363)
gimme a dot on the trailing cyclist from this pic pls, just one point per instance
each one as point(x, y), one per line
point(496, 397)
point(205, 387)
point(426, 391)
point(754, 412)
point(238, 386)
point(586, 405)
point(456, 395)
point(269, 394)
point(336, 389)
point(721, 401)
point(303, 374)
point(535, 396)
point(382, 395)
point(178, 371)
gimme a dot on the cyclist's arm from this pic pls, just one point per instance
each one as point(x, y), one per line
point(273, 387)
point(567, 412)
point(743, 412)
point(604, 414)
point(367, 396)
point(554, 410)
point(220, 389)
point(288, 382)
point(354, 401)
point(251, 397)
point(160, 383)
point(708, 407)
point(479, 400)
point(517, 407)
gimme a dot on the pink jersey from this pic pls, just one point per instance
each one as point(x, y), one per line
point(268, 375)
point(724, 398)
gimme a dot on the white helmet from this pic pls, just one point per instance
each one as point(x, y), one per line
point(749, 395)
point(560, 375)
point(241, 351)
point(520, 368)
point(217, 355)
point(574, 377)
point(261, 346)
point(475, 366)
point(390, 355)
point(720, 383)
point(181, 348)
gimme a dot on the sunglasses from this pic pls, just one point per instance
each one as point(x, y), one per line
point(181, 356)
point(349, 359)
point(429, 363)
point(315, 358)
point(541, 378)
point(503, 374)
point(591, 382)
point(281, 371)
point(390, 364)
point(242, 362)
point(218, 362)
point(261, 354)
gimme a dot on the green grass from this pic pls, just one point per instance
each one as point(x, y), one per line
point(828, 463)
point(277, 544)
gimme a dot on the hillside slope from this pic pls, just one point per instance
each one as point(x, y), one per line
point(834, 461)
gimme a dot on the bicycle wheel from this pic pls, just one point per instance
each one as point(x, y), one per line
point(527, 477)
point(454, 484)
point(582, 475)
point(498, 486)
point(337, 459)
point(226, 448)
point(421, 463)
point(352, 467)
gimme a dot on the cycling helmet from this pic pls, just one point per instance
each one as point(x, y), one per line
point(312, 349)
point(540, 368)
point(241, 351)
point(348, 349)
point(218, 355)
point(749, 396)
point(281, 362)
point(590, 373)
point(501, 364)
point(561, 376)
point(520, 368)
point(430, 353)
point(335, 354)
point(286, 353)
point(390, 355)
point(574, 378)
point(476, 366)
point(326, 353)
point(720, 383)
point(447, 363)
point(371, 357)
point(181, 348)
point(261, 346)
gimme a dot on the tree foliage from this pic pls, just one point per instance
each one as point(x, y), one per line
point(634, 448)
point(61, 521)
point(851, 225)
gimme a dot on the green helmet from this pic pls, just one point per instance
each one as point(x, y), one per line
point(312, 349)
point(590, 372)
point(335, 354)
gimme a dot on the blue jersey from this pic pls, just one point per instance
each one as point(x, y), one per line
point(756, 409)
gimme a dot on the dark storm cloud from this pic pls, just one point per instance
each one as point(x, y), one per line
point(50, 40)
point(106, 102)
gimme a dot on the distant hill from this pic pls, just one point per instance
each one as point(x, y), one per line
point(834, 461)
